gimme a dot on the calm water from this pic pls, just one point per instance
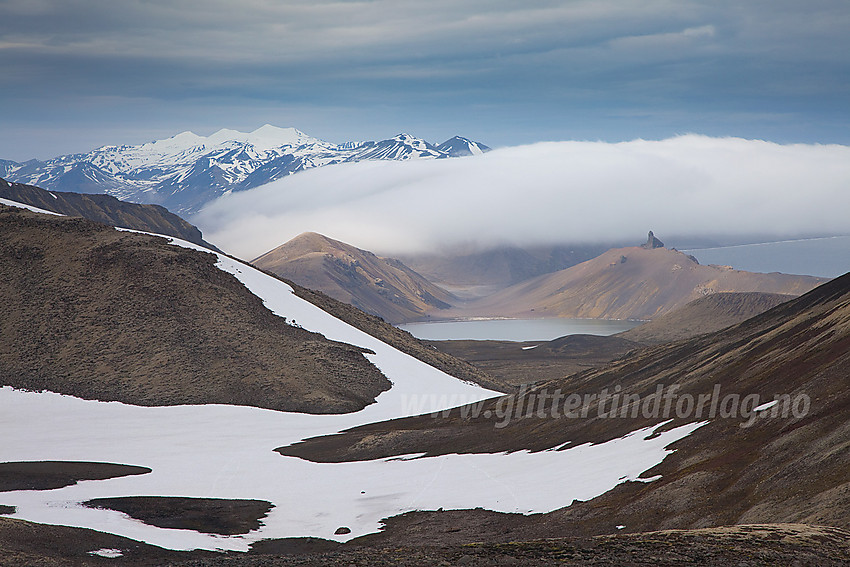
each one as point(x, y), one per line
point(828, 257)
point(516, 329)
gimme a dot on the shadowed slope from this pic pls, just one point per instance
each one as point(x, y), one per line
point(105, 209)
point(705, 315)
point(104, 314)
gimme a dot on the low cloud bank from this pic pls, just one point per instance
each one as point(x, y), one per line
point(546, 193)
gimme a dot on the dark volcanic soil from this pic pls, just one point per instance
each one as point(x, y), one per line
point(27, 544)
point(24, 543)
point(535, 362)
point(207, 515)
point(47, 475)
point(102, 314)
point(783, 466)
point(105, 209)
point(704, 315)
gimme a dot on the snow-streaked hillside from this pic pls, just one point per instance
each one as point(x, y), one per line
point(27, 207)
point(185, 171)
point(227, 452)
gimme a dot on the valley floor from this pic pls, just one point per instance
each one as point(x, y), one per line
point(22, 543)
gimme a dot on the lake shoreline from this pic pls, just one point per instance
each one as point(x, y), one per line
point(513, 329)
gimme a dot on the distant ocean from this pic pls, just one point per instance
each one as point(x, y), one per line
point(826, 257)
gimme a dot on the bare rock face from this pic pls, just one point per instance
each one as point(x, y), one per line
point(652, 242)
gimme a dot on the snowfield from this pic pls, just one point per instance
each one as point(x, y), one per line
point(220, 451)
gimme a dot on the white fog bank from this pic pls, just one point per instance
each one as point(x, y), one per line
point(548, 192)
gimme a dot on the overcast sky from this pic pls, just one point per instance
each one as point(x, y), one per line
point(77, 74)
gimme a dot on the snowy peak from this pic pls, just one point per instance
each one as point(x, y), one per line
point(264, 138)
point(460, 146)
point(399, 147)
point(186, 171)
point(272, 136)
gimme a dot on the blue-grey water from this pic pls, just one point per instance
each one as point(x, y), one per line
point(515, 329)
point(826, 257)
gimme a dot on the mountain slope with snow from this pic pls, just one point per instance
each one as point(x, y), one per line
point(105, 209)
point(775, 450)
point(186, 171)
point(460, 146)
point(225, 450)
point(113, 315)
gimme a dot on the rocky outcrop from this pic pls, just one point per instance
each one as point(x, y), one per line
point(652, 242)
point(105, 209)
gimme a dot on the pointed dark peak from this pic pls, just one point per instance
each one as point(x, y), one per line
point(652, 242)
point(460, 146)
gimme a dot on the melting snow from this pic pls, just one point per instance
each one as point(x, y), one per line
point(227, 452)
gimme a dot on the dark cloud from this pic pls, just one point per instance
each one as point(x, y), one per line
point(436, 68)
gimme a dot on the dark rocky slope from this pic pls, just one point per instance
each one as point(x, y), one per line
point(784, 466)
point(104, 209)
point(24, 543)
point(705, 315)
point(103, 314)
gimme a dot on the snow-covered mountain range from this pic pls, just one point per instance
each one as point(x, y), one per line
point(186, 171)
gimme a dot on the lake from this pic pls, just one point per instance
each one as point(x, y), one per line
point(515, 329)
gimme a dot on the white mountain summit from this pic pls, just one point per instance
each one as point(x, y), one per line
point(186, 171)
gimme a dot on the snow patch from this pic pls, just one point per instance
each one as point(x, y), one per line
point(221, 451)
point(108, 553)
point(765, 406)
point(27, 207)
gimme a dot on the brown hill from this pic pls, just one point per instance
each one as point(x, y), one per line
point(627, 283)
point(104, 209)
point(781, 465)
point(704, 315)
point(104, 314)
point(380, 286)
